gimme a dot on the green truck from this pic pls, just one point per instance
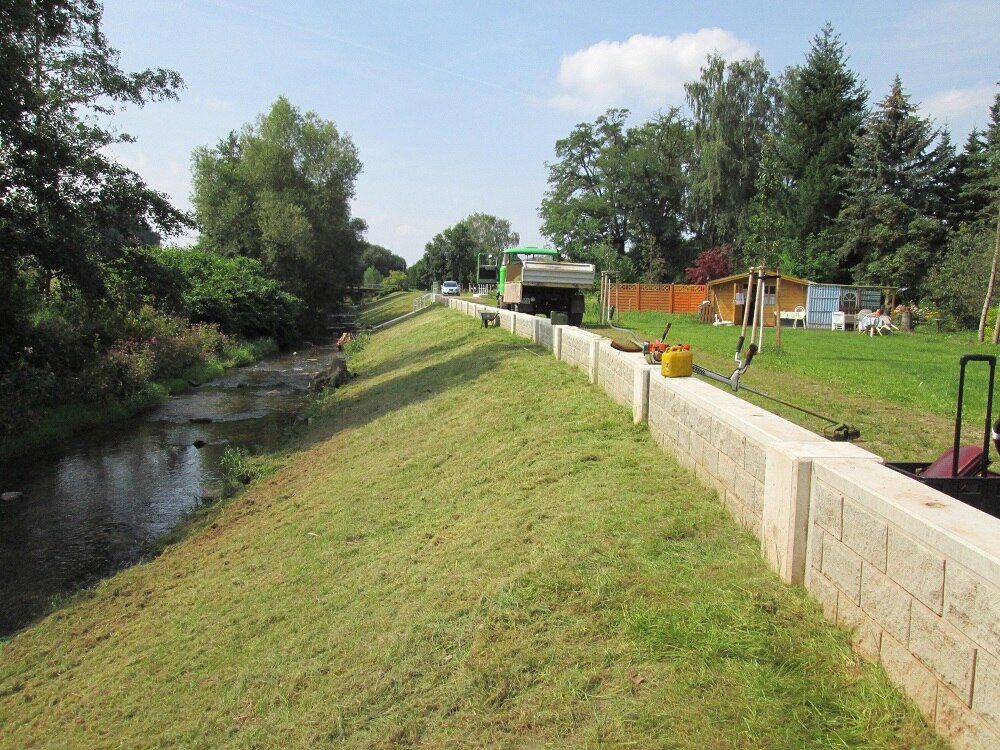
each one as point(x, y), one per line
point(533, 280)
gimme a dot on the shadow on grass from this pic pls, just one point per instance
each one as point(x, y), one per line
point(414, 386)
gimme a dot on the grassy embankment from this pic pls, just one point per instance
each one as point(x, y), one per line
point(470, 547)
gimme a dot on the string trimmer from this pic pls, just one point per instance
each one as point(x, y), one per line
point(835, 429)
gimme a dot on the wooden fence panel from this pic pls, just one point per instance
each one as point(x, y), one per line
point(668, 298)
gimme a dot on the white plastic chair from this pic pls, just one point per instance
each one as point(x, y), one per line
point(837, 321)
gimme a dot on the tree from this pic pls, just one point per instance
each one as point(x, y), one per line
point(453, 254)
point(822, 109)
point(586, 205)
point(621, 190)
point(67, 208)
point(733, 108)
point(655, 184)
point(714, 263)
point(891, 228)
point(381, 259)
point(279, 191)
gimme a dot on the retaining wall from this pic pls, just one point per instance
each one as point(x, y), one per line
point(912, 572)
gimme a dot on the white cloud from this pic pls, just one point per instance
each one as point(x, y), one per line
point(645, 70)
point(956, 106)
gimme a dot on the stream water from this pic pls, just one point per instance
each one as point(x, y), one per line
point(93, 506)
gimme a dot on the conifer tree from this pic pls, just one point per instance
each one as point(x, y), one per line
point(891, 228)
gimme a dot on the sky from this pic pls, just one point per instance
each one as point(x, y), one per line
point(455, 107)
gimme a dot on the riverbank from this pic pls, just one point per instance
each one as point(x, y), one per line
point(67, 420)
point(467, 546)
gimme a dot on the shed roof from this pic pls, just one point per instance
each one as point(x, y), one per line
point(767, 273)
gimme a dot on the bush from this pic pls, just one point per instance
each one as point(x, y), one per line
point(957, 284)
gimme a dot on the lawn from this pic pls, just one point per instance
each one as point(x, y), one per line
point(467, 546)
point(900, 390)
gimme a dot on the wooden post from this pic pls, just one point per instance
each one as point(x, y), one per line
point(746, 304)
point(777, 312)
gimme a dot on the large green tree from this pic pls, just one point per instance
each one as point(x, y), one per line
point(733, 109)
point(656, 181)
point(586, 206)
point(616, 194)
point(453, 254)
point(279, 191)
point(67, 207)
point(892, 227)
point(822, 109)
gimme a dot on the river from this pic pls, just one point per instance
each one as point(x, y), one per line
point(95, 505)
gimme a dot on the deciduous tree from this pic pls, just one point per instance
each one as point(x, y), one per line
point(279, 191)
point(67, 207)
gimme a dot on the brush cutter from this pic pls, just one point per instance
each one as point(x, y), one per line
point(835, 429)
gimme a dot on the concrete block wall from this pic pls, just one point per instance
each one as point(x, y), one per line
point(625, 377)
point(916, 575)
point(580, 348)
point(913, 573)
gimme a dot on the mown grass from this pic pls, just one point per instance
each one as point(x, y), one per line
point(470, 547)
point(900, 390)
point(388, 307)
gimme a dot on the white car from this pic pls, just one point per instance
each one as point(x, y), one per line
point(450, 287)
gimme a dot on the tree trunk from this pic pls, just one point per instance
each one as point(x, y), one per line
point(989, 293)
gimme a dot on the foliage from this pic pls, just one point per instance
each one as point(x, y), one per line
point(237, 470)
point(382, 260)
point(454, 253)
point(733, 108)
point(371, 277)
point(714, 263)
point(67, 206)
point(891, 226)
point(279, 192)
point(621, 188)
point(822, 109)
point(397, 280)
point(231, 292)
point(957, 283)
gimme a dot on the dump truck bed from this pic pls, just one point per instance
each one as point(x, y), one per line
point(542, 273)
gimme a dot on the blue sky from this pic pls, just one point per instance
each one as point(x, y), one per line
point(455, 107)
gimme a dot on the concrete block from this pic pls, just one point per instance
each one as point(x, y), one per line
point(726, 469)
point(866, 634)
point(946, 526)
point(905, 670)
point(866, 534)
point(828, 509)
point(885, 602)
point(948, 653)
point(917, 569)
point(986, 690)
point(755, 458)
point(960, 726)
point(557, 332)
point(973, 606)
point(824, 591)
point(815, 550)
point(842, 566)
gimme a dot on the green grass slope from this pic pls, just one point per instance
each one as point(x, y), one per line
point(470, 547)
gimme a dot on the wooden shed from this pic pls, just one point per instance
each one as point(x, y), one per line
point(784, 297)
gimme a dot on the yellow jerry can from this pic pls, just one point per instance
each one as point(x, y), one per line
point(676, 362)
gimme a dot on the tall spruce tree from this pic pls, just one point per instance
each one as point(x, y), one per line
point(823, 108)
point(891, 229)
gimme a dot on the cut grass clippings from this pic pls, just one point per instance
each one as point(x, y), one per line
point(471, 547)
